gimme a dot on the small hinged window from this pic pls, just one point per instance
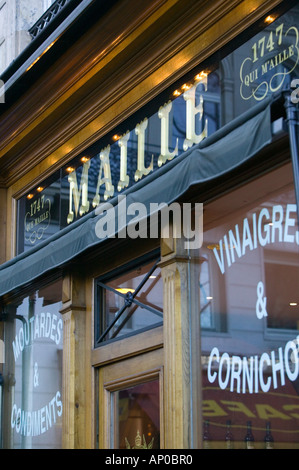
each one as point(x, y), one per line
point(129, 303)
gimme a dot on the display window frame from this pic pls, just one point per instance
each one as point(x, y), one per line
point(222, 401)
point(102, 328)
point(33, 423)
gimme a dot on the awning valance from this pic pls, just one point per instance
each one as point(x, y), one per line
point(217, 155)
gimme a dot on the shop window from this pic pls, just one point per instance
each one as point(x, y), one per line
point(129, 303)
point(251, 368)
point(282, 275)
point(212, 298)
point(32, 372)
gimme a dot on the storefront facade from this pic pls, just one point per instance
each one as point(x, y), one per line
point(148, 199)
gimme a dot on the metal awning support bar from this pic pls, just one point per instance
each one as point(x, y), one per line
point(129, 299)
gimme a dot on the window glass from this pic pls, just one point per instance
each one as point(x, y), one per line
point(32, 417)
point(138, 417)
point(249, 307)
point(129, 303)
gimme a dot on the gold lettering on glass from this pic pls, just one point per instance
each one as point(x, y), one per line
point(105, 167)
point(191, 111)
point(74, 192)
point(141, 170)
point(124, 178)
point(163, 114)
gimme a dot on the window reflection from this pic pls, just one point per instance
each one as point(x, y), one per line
point(250, 261)
point(138, 417)
point(32, 416)
point(131, 302)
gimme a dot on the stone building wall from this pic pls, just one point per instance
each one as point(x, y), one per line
point(16, 17)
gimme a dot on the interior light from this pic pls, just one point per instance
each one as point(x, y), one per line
point(176, 93)
point(201, 76)
point(84, 159)
point(125, 290)
point(209, 298)
point(115, 137)
point(152, 276)
point(269, 19)
point(212, 246)
point(30, 196)
point(293, 304)
point(70, 169)
point(39, 189)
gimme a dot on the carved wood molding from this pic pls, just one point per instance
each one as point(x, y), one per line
point(92, 89)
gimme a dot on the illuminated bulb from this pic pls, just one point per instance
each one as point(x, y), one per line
point(269, 19)
point(29, 196)
point(39, 189)
point(209, 298)
point(213, 246)
point(84, 159)
point(201, 76)
point(176, 93)
point(186, 86)
point(125, 290)
point(293, 304)
point(70, 169)
point(115, 137)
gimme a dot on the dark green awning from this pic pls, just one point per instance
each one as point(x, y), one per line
point(217, 155)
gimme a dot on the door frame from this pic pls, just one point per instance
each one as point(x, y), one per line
point(133, 361)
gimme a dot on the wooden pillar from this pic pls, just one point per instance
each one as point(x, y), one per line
point(181, 345)
point(74, 363)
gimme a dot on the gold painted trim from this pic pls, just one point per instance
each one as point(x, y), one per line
point(141, 88)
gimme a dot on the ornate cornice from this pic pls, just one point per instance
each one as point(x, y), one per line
point(120, 64)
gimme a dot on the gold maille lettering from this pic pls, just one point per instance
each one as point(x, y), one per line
point(164, 114)
point(124, 178)
point(105, 167)
point(191, 111)
point(141, 170)
point(165, 155)
point(72, 178)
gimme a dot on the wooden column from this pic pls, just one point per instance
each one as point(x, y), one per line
point(74, 363)
point(181, 345)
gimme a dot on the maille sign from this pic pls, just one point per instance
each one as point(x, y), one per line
point(217, 94)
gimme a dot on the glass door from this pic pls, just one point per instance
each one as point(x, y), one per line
point(130, 403)
point(137, 416)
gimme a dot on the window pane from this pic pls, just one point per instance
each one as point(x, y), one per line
point(249, 284)
point(135, 299)
point(33, 371)
point(138, 417)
